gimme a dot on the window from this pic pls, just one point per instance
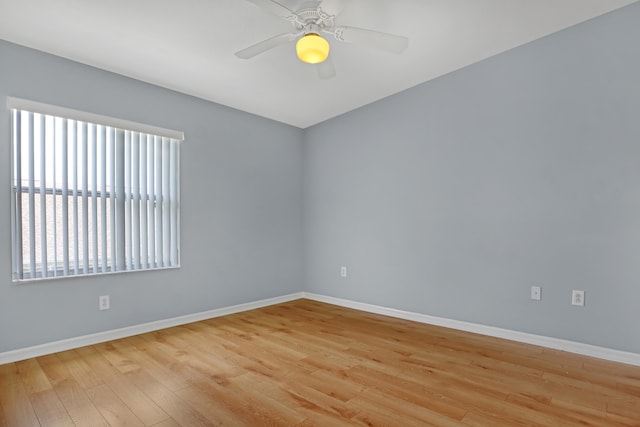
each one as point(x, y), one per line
point(91, 194)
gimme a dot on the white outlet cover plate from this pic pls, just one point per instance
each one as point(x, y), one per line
point(104, 303)
point(536, 293)
point(577, 298)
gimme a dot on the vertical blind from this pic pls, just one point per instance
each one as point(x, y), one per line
point(91, 197)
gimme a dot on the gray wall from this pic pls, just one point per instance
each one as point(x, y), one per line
point(454, 197)
point(241, 197)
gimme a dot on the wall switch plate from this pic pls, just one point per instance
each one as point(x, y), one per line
point(536, 293)
point(104, 302)
point(577, 298)
point(343, 271)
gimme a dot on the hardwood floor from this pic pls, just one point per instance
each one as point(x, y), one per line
point(306, 363)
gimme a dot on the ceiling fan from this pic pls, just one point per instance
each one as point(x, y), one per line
point(312, 20)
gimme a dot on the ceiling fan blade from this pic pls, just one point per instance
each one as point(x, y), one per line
point(276, 8)
point(265, 45)
point(375, 39)
point(330, 7)
point(326, 69)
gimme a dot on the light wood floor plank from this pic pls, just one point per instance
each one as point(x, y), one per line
point(118, 359)
point(17, 407)
point(306, 363)
point(317, 405)
point(55, 369)
point(96, 361)
point(167, 423)
point(32, 376)
point(49, 410)
point(3, 419)
point(80, 371)
point(409, 390)
point(135, 399)
point(216, 404)
point(81, 409)
point(176, 407)
point(9, 374)
point(112, 408)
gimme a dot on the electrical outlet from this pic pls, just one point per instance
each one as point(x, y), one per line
point(577, 298)
point(536, 293)
point(104, 302)
point(343, 271)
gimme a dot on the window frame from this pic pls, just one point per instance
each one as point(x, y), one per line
point(174, 141)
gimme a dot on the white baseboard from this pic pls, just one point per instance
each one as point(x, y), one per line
point(555, 343)
point(81, 341)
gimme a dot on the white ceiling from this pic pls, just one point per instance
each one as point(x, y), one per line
point(189, 45)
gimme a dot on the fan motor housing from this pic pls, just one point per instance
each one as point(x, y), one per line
point(311, 14)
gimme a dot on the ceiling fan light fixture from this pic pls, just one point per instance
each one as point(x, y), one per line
point(312, 48)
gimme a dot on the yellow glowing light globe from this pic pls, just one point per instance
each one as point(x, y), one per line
point(312, 49)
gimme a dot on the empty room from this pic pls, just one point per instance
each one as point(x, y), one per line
point(320, 213)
